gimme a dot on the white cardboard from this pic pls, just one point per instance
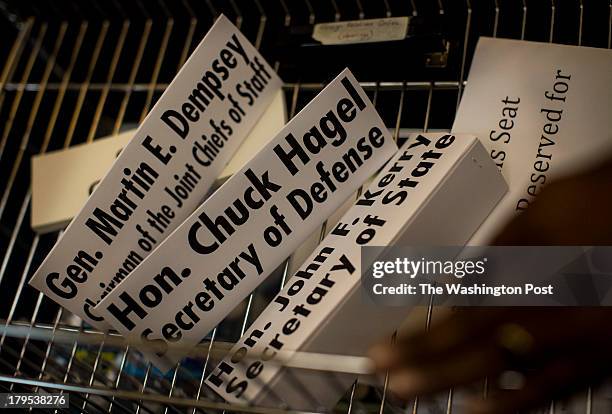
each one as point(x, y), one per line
point(202, 271)
point(85, 264)
point(529, 72)
point(455, 192)
point(63, 180)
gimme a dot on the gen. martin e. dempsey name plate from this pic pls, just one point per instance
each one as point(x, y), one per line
point(184, 142)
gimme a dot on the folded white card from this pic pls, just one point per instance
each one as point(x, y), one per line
point(163, 173)
point(436, 190)
point(541, 110)
point(63, 180)
point(231, 243)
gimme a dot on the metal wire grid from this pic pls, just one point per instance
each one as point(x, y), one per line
point(73, 79)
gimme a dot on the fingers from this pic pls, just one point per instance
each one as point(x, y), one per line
point(471, 328)
point(464, 329)
point(463, 368)
point(555, 380)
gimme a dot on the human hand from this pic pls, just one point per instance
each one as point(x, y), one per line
point(556, 350)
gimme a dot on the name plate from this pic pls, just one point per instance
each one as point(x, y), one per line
point(163, 173)
point(231, 243)
point(436, 190)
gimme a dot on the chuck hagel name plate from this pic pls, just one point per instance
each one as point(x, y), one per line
point(231, 243)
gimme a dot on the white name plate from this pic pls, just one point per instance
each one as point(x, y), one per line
point(63, 180)
point(231, 243)
point(546, 120)
point(163, 173)
point(435, 191)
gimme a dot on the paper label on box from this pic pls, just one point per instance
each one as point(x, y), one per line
point(63, 180)
point(361, 31)
point(380, 217)
point(253, 222)
point(163, 173)
point(542, 110)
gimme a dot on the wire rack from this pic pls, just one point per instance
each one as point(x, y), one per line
point(73, 72)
